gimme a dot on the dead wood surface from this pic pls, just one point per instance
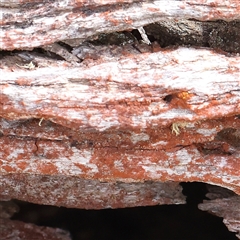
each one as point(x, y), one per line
point(121, 113)
point(104, 93)
point(131, 114)
point(74, 192)
point(28, 24)
point(225, 204)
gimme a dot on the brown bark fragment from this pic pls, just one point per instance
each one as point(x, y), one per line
point(10, 229)
point(19, 230)
point(224, 204)
point(74, 192)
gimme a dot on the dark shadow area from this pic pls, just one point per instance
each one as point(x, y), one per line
point(167, 222)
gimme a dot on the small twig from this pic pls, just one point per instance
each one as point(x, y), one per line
point(144, 35)
point(40, 122)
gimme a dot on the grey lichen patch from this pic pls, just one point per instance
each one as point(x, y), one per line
point(139, 137)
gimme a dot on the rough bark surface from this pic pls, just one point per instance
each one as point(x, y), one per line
point(142, 118)
point(224, 204)
point(73, 192)
point(92, 126)
point(46, 22)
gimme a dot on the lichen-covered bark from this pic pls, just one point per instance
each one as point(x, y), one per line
point(142, 118)
point(27, 24)
point(138, 90)
point(118, 126)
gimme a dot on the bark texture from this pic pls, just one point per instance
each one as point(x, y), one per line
point(224, 204)
point(46, 22)
point(142, 118)
point(73, 192)
point(96, 126)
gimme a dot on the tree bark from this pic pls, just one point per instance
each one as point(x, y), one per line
point(47, 23)
point(133, 120)
point(139, 108)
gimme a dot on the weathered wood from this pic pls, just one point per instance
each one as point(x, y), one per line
point(153, 116)
point(28, 24)
point(224, 204)
point(202, 84)
point(134, 116)
point(74, 192)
